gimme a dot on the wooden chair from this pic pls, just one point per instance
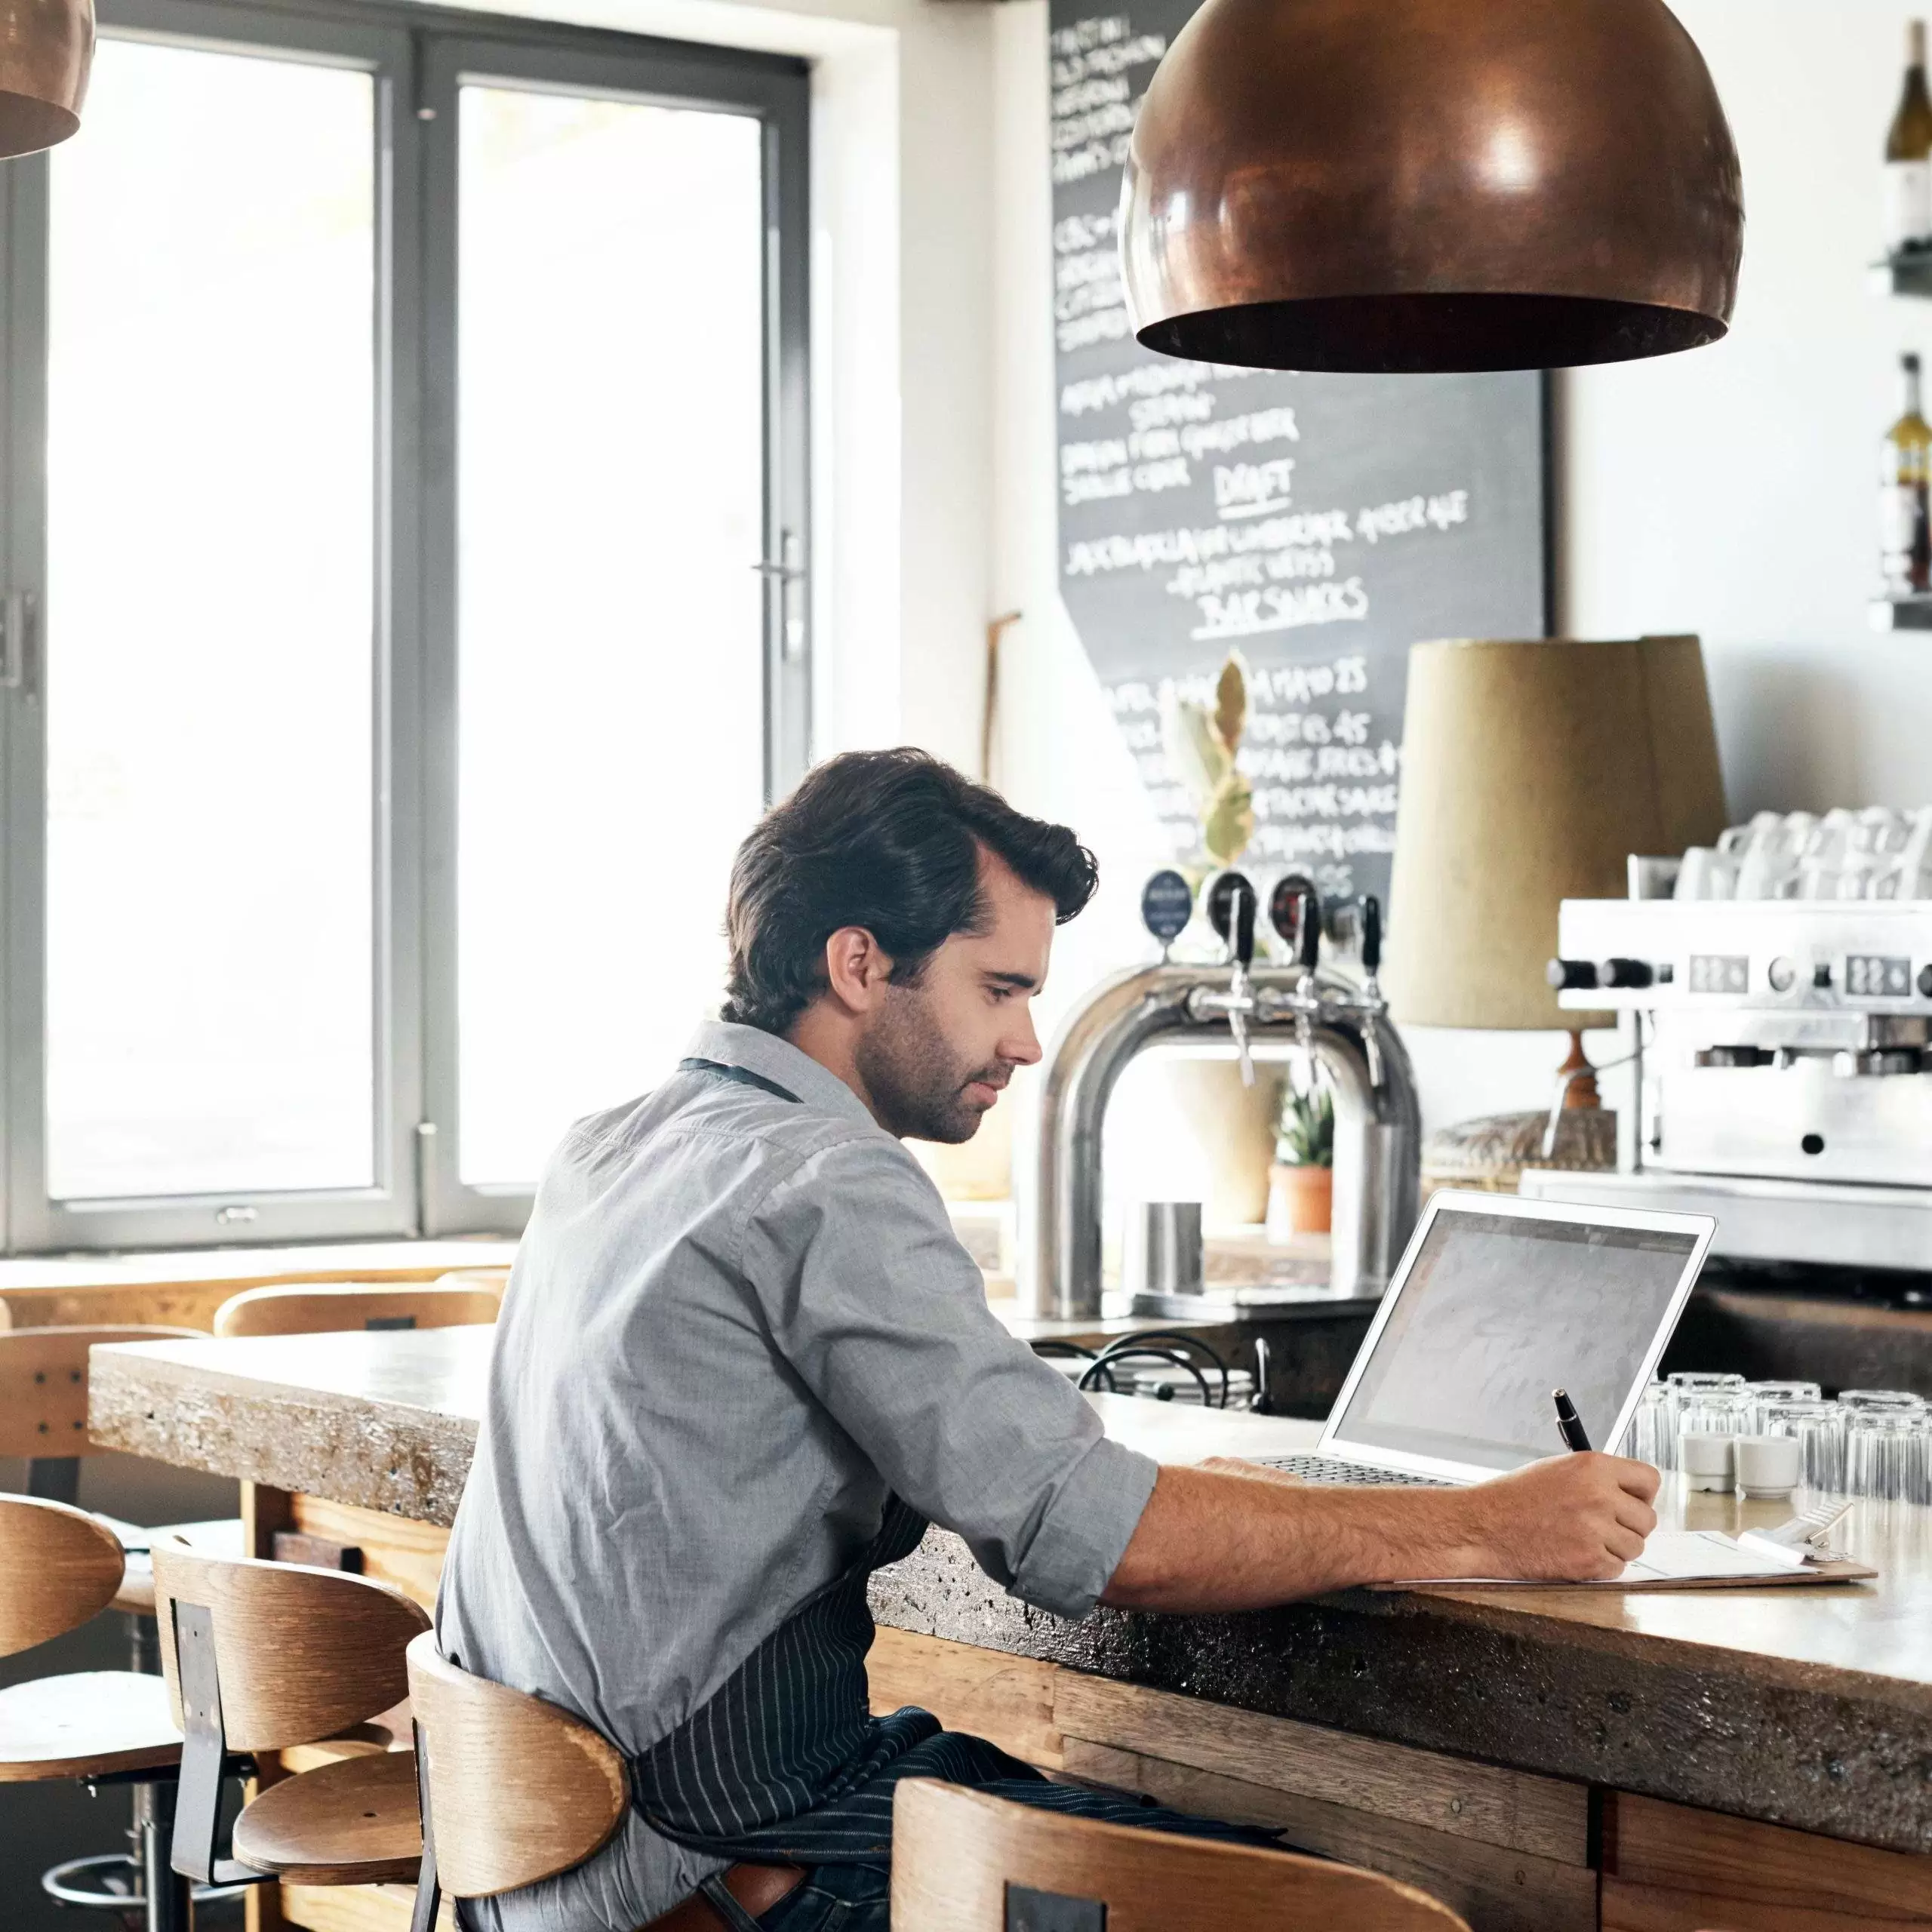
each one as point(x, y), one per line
point(352, 1305)
point(44, 1417)
point(58, 1567)
point(964, 1862)
point(259, 1657)
point(514, 1790)
point(43, 1399)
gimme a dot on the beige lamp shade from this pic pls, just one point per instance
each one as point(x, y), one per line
point(1530, 771)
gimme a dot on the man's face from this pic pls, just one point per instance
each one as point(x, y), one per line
point(937, 1054)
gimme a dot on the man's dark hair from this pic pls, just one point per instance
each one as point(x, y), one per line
point(889, 840)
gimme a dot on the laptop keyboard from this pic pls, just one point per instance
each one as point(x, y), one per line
point(1329, 1469)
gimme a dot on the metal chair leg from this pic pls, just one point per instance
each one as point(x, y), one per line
point(170, 1895)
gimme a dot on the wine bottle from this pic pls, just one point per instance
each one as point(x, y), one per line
point(1906, 464)
point(1908, 154)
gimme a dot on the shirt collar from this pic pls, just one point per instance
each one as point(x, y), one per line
point(759, 1052)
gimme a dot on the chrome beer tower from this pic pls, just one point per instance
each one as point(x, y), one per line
point(1343, 1027)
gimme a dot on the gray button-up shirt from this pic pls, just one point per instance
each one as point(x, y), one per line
point(735, 1323)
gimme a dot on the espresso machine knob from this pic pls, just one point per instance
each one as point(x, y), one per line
point(1570, 975)
point(1625, 972)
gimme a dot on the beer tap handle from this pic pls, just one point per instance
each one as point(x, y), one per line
point(1230, 905)
point(1294, 910)
point(1244, 921)
point(1371, 936)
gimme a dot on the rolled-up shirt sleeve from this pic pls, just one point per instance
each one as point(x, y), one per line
point(883, 1315)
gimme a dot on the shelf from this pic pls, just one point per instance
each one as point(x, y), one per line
point(1901, 613)
point(1909, 274)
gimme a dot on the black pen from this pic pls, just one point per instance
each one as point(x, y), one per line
point(1570, 1424)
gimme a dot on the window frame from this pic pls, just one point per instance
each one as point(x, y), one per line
point(418, 57)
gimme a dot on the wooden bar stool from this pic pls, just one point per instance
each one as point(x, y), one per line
point(59, 1566)
point(351, 1305)
point(964, 1862)
point(259, 1657)
point(514, 1789)
point(44, 1417)
point(44, 1375)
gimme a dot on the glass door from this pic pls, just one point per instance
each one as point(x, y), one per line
point(622, 559)
point(198, 705)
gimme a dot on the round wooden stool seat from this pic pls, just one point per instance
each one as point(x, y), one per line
point(86, 1725)
point(352, 1823)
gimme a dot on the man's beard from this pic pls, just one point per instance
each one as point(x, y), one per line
point(917, 1084)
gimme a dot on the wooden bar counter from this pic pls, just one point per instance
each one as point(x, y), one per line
point(1544, 1760)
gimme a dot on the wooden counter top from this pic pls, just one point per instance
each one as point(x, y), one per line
point(1806, 1707)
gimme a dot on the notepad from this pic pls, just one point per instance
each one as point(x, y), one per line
point(1684, 1560)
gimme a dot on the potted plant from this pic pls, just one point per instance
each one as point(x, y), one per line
point(1301, 1184)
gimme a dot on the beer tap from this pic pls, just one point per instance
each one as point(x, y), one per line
point(1294, 910)
point(1231, 905)
point(1372, 1001)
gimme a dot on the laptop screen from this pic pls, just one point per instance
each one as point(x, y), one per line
point(1499, 1310)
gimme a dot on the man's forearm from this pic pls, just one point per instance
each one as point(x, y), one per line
point(1208, 1541)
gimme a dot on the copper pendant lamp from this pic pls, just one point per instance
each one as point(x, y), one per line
point(1411, 185)
point(46, 48)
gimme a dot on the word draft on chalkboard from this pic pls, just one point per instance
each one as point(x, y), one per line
point(1320, 524)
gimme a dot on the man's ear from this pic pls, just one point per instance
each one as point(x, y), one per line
point(857, 968)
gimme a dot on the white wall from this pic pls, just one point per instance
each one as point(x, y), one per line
point(1729, 491)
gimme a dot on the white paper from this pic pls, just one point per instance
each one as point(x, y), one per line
point(1682, 1555)
point(1671, 1556)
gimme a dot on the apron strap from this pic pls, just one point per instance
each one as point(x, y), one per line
point(728, 1908)
point(743, 1075)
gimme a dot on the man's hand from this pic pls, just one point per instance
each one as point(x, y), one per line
point(1570, 1519)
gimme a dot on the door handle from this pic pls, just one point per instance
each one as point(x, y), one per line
point(17, 616)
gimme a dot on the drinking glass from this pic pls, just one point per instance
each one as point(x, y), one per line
point(1681, 1387)
point(1649, 1438)
point(1820, 1427)
point(1886, 1453)
point(1763, 1394)
point(1863, 1401)
point(1714, 1412)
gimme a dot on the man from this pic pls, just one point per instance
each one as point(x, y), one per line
point(743, 1361)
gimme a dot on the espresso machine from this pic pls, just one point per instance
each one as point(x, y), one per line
point(1781, 1051)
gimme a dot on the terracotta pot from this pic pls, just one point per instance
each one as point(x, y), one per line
point(1307, 1195)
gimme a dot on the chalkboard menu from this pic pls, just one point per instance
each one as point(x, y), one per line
point(1321, 524)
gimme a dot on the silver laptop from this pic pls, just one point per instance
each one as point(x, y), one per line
point(1496, 1302)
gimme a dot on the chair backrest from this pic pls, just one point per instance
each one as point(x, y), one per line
point(44, 1385)
point(301, 1654)
point(58, 1566)
point(315, 1310)
point(954, 1851)
point(518, 1789)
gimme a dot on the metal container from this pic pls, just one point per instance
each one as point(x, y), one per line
point(1163, 1253)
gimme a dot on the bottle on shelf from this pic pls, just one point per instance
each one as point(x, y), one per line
point(1905, 465)
point(1908, 201)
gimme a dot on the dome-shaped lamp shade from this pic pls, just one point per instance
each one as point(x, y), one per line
point(1382, 185)
point(46, 48)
